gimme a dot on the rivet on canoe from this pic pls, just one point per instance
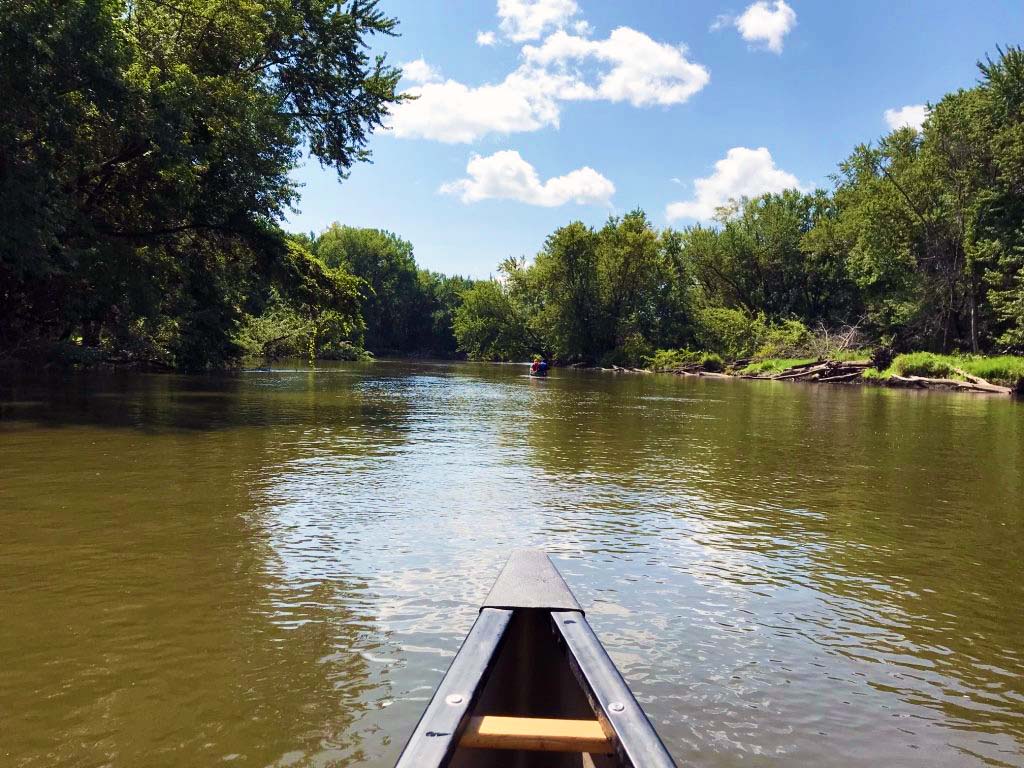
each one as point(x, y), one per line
point(616, 706)
point(454, 699)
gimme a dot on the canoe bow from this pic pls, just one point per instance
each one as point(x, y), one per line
point(533, 686)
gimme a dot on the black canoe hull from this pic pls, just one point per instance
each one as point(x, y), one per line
point(531, 654)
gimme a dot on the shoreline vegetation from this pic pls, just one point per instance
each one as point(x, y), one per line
point(148, 196)
point(1003, 375)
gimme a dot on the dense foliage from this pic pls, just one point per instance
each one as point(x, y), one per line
point(920, 246)
point(407, 310)
point(145, 147)
point(145, 151)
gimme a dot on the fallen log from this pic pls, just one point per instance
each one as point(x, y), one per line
point(687, 368)
point(851, 376)
point(985, 384)
point(823, 369)
point(802, 372)
point(806, 365)
point(971, 377)
point(924, 382)
point(847, 370)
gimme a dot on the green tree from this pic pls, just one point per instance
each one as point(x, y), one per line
point(564, 280)
point(760, 259)
point(386, 262)
point(440, 298)
point(489, 326)
point(627, 272)
point(1000, 226)
point(676, 293)
point(144, 157)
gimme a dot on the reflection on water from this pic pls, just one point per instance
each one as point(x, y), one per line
point(275, 568)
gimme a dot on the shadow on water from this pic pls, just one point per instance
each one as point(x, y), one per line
point(149, 619)
point(155, 402)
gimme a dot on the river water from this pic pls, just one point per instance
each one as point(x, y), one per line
point(275, 568)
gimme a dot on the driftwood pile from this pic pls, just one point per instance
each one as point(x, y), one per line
point(695, 369)
point(839, 372)
point(620, 369)
point(687, 369)
point(832, 371)
point(836, 372)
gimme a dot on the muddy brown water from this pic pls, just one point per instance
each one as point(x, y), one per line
point(275, 568)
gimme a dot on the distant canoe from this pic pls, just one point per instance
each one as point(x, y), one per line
point(532, 687)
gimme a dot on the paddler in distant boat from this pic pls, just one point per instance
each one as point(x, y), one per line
point(539, 366)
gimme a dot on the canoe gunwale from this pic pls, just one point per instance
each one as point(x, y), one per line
point(440, 728)
point(635, 740)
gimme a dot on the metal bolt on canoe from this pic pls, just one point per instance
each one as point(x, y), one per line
point(532, 686)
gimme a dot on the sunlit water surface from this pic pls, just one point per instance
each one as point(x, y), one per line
point(275, 568)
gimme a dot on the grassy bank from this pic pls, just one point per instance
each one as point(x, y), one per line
point(853, 366)
point(772, 366)
point(1005, 370)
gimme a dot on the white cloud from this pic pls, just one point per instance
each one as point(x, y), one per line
point(743, 172)
point(638, 69)
point(582, 27)
point(721, 21)
point(910, 116)
point(761, 23)
point(506, 175)
point(531, 19)
point(627, 66)
point(456, 113)
point(419, 71)
point(486, 38)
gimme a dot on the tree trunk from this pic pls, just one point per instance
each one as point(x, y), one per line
point(91, 333)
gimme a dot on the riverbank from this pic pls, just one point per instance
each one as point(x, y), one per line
point(1002, 375)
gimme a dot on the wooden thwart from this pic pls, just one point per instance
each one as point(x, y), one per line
point(536, 734)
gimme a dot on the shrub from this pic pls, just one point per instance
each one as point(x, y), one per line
point(923, 364)
point(844, 343)
point(346, 351)
point(774, 365)
point(788, 338)
point(277, 333)
point(635, 349)
point(712, 363)
point(731, 333)
point(873, 374)
point(666, 359)
point(735, 334)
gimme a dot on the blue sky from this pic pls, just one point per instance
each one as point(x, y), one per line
point(576, 109)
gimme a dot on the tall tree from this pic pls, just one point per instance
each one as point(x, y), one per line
point(565, 272)
point(489, 325)
point(386, 262)
point(145, 151)
point(1000, 230)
